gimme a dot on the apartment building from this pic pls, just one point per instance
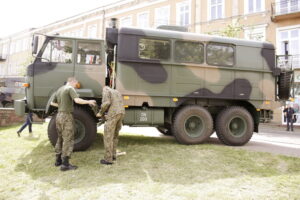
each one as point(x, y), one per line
point(276, 21)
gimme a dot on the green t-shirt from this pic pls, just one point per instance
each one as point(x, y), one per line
point(64, 97)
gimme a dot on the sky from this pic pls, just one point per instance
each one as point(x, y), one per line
point(20, 15)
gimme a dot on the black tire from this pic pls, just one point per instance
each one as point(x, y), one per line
point(284, 85)
point(85, 130)
point(234, 126)
point(192, 125)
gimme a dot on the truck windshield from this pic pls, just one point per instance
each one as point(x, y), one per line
point(59, 51)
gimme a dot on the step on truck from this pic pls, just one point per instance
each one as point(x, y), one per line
point(185, 84)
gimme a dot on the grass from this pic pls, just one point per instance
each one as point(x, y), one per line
point(154, 168)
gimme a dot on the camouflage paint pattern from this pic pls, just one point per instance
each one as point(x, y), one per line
point(113, 108)
point(112, 103)
point(157, 82)
point(65, 133)
point(111, 132)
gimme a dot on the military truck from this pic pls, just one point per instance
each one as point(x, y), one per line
point(187, 85)
point(10, 90)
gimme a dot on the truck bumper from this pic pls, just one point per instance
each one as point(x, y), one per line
point(20, 106)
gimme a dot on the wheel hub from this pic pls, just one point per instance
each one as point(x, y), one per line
point(237, 126)
point(194, 126)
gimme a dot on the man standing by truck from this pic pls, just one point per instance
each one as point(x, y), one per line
point(63, 99)
point(112, 103)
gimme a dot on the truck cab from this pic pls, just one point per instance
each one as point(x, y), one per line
point(62, 57)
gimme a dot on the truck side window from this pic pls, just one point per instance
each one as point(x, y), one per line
point(220, 54)
point(189, 52)
point(88, 53)
point(59, 51)
point(154, 49)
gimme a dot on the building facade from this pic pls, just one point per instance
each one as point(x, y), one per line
point(275, 21)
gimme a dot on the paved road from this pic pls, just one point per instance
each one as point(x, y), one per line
point(271, 138)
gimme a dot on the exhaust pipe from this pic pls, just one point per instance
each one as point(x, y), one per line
point(113, 23)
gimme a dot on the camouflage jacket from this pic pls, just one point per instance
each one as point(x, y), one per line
point(112, 103)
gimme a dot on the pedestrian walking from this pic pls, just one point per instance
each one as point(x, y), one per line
point(112, 110)
point(63, 99)
point(289, 113)
point(28, 123)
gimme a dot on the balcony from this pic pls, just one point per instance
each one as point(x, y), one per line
point(2, 57)
point(288, 62)
point(285, 9)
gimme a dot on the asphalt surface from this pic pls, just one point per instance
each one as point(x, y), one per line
point(271, 138)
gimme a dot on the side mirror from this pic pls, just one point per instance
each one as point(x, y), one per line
point(35, 44)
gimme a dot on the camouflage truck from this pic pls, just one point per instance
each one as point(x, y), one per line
point(185, 84)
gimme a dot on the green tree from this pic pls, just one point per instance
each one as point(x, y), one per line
point(231, 30)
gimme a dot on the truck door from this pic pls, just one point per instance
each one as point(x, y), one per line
point(52, 69)
point(90, 68)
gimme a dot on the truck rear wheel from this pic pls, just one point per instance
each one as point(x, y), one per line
point(192, 125)
point(85, 130)
point(234, 126)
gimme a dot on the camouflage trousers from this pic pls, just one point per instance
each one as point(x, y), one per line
point(65, 133)
point(111, 132)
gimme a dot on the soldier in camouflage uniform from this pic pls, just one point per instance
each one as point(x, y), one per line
point(112, 103)
point(63, 99)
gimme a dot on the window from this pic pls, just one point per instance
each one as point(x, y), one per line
point(189, 52)
point(253, 6)
point(287, 6)
point(183, 13)
point(154, 49)
point(126, 21)
point(257, 33)
point(292, 36)
point(12, 48)
point(143, 20)
point(59, 51)
point(92, 31)
point(88, 53)
point(216, 9)
point(25, 42)
point(5, 49)
point(162, 16)
point(220, 54)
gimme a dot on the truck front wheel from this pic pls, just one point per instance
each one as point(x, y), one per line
point(234, 126)
point(85, 130)
point(192, 125)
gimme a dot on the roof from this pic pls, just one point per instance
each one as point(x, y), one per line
point(194, 37)
point(77, 38)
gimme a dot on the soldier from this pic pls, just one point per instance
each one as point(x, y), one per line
point(63, 99)
point(112, 103)
point(289, 114)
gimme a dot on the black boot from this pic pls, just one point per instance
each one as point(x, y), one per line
point(66, 165)
point(104, 162)
point(58, 160)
